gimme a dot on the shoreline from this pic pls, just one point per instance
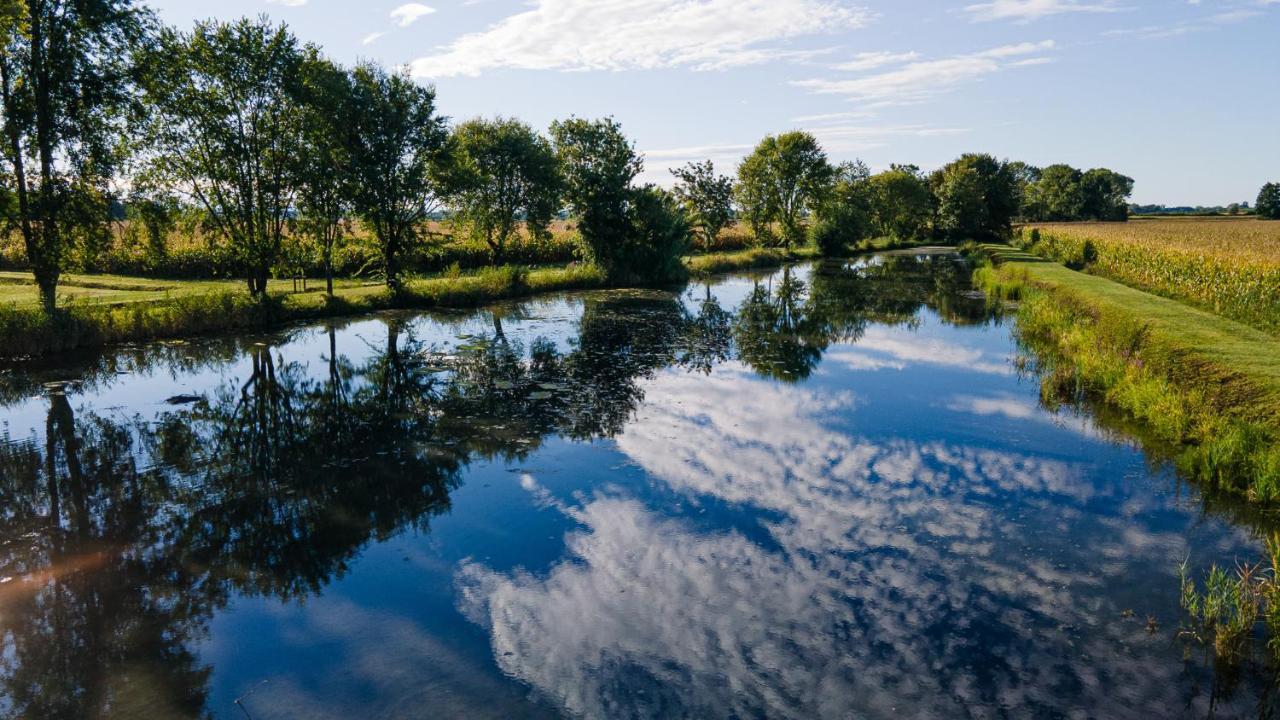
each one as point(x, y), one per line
point(1207, 384)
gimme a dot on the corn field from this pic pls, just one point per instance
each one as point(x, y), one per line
point(1228, 266)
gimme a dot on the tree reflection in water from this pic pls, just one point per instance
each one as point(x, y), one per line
point(121, 537)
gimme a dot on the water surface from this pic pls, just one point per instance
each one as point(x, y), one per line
point(825, 491)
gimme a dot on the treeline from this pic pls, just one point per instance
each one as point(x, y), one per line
point(240, 135)
point(1061, 193)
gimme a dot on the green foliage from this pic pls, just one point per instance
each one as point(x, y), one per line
point(1056, 196)
point(785, 177)
point(1106, 195)
point(659, 236)
point(325, 179)
point(65, 91)
point(633, 234)
point(707, 197)
point(598, 164)
point(502, 171)
point(1061, 193)
point(397, 146)
point(977, 198)
point(844, 216)
point(226, 128)
point(1268, 204)
point(901, 203)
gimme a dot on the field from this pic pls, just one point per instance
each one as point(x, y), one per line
point(1225, 265)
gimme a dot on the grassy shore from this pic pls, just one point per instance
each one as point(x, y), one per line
point(196, 308)
point(1229, 266)
point(1202, 381)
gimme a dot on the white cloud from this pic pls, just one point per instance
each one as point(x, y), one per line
point(919, 80)
point(884, 561)
point(1028, 10)
point(873, 60)
point(641, 34)
point(371, 37)
point(409, 13)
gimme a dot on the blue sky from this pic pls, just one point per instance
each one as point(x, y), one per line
point(1181, 95)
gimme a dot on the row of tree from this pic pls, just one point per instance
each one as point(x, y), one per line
point(280, 149)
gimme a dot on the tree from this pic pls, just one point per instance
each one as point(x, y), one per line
point(977, 197)
point(1024, 176)
point(1105, 195)
point(707, 198)
point(901, 203)
point(503, 171)
point(227, 130)
point(844, 214)
point(1267, 206)
point(633, 234)
point(398, 144)
point(1057, 195)
point(782, 179)
point(325, 182)
point(598, 164)
point(64, 94)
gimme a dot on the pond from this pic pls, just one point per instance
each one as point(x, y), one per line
point(828, 491)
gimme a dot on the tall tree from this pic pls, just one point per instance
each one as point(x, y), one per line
point(1105, 195)
point(227, 131)
point(502, 171)
point(707, 198)
point(598, 163)
point(635, 234)
point(398, 144)
point(65, 87)
point(901, 202)
point(785, 177)
point(325, 183)
point(1057, 195)
point(977, 197)
point(1268, 205)
point(845, 212)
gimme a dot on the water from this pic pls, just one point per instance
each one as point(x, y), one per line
point(819, 492)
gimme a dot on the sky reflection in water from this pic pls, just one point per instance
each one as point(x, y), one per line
point(821, 492)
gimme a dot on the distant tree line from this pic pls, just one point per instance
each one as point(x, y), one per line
point(238, 131)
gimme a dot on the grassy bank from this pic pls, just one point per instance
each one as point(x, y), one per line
point(28, 331)
point(1229, 266)
point(1204, 382)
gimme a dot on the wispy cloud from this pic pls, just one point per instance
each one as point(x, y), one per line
point(371, 37)
point(1230, 14)
point(641, 34)
point(409, 13)
point(1029, 10)
point(873, 60)
point(921, 79)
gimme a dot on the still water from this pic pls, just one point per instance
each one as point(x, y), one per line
point(823, 492)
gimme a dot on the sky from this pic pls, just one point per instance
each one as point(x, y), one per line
point(1181, 95)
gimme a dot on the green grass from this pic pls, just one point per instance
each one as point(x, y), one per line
point(193, 308)
point(1207, 383)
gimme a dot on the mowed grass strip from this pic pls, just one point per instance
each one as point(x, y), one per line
point(1193, 377)
point(1228, 266)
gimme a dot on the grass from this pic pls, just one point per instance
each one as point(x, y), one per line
point(1204, 382)
point(1229, 266)
point(99, 310)
point(90, 322)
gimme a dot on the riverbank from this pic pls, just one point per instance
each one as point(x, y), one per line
point(1207, 383)
point(107, 310)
